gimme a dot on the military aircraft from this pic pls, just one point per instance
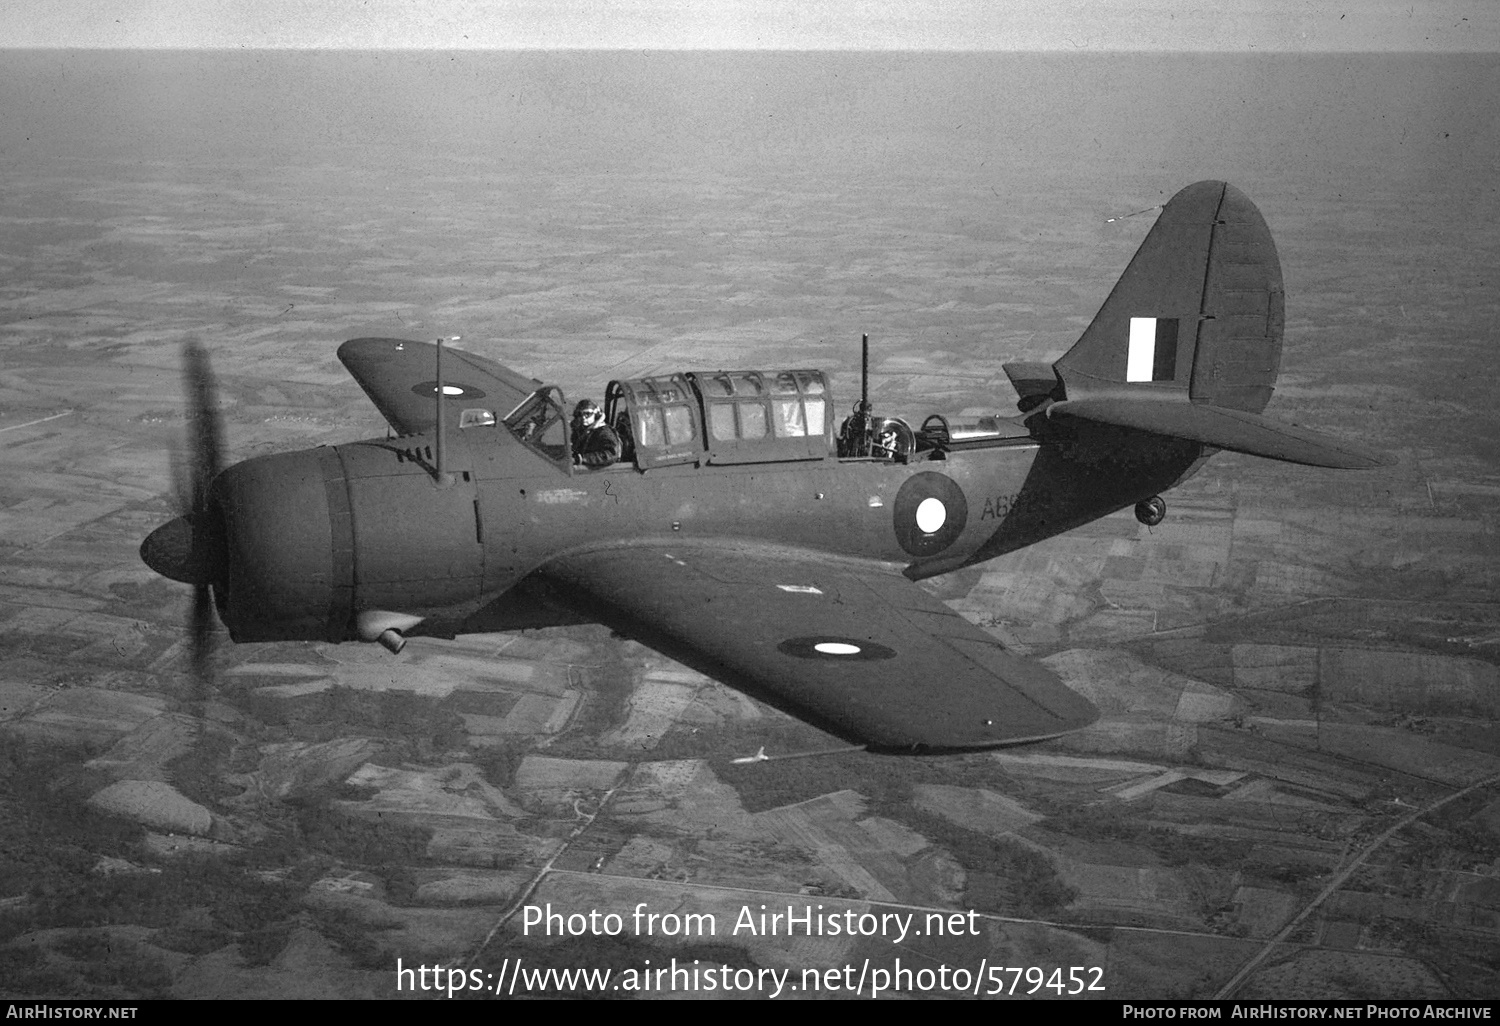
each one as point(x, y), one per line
point(740, 533)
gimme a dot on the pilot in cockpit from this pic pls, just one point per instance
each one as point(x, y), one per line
point(595, 443)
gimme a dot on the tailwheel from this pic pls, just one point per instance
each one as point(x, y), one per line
point(1151, 511)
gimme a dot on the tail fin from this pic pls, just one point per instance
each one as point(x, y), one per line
point(1189, 342)
point(1198, 311)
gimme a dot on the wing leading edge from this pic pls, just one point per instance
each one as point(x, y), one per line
point(863, 653)
point(400, 377)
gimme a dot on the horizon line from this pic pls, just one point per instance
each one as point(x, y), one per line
point(243, 48)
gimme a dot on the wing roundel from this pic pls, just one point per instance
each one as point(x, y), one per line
point(400, 377)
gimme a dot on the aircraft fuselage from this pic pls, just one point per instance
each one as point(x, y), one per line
point(317, 538)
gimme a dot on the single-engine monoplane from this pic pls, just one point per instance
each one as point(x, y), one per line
point(744, 531)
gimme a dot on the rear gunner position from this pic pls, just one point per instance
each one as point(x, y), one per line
point(725, 527)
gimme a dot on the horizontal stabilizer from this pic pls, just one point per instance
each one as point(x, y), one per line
point(1032, 379)
point(1224, 428)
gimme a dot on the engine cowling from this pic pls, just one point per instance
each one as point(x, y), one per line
point(288, 545)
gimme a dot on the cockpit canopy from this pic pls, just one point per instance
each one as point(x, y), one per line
point(692, 417)
point(723, 417)
point(730, 417)
point(540, 423)
point(657, 419)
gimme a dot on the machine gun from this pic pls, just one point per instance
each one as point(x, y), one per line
point(857, 433)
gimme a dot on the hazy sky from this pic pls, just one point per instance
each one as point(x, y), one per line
point(1245, 25)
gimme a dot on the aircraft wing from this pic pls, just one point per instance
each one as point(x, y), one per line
point(400, 377)
point(857, 650)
